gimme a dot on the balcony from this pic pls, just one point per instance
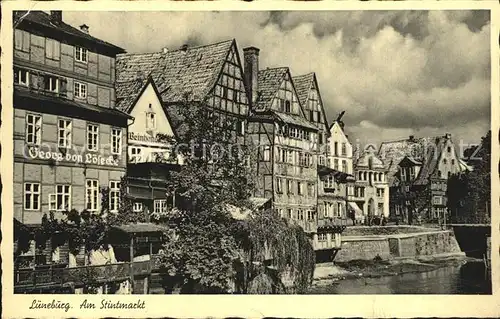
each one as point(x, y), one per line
point(60, 275)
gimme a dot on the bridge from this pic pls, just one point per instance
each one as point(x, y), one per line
point(472, 238)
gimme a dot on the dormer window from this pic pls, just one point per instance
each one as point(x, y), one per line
point(150, 120)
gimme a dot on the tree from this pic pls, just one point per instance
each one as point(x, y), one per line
point(210, 251)
point(213, 176)
point(469, 193)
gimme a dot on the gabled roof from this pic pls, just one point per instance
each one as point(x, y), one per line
point(127, 93)
point(192, 71)
point(303, 84)
point(40, 19)
point(424, 151)
point(268, 82)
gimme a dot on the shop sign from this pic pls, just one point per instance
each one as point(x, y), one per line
point(142, 137)
point(58, 156)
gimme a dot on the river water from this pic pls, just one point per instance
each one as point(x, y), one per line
point(469, 278)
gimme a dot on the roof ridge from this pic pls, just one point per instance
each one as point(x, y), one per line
point(203, 45)
point(304, 75)
point(275, 68)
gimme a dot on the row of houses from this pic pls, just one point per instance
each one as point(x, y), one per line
point(86, 113)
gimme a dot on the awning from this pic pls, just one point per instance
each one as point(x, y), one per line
point(358, 213)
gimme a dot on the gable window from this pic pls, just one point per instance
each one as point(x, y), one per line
point(114, 196)
point(65, 128)
point(336, 149)
point(92, 137)
point(81, 54)
point(92, 194)
point(63, 197)
point(160, 206)
point(31, 196)
point(22, 40)
point(449, 149)
point(52, 49)
point(311, 115)
point(150, 120)
point(266, 153)
point(288, 107)
point(22, 77)
point(137, 208)
point(344, 149)
point(116, 141)
point(33, 129)
point(51, 84)
point(80, 90)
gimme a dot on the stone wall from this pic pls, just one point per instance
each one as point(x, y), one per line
point(397, 246)
point(366, 249)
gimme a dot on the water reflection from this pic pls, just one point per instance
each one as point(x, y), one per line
point(469, 278)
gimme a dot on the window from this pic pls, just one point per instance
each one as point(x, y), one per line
point(320, 138)
point(266, 153)
point(322, 237)
point(236, 96)
point(453, 161)
point(359, 191)
point(336, 149)
point(240, 127)
point(22, 40)
point(22, 77)
point(51, 84)
point(160, 206)
point(311, 115)
point(322, 160)
point(31, 196)
point(338, 212)
point(335, 164)
point(300, 214)
point(380, 192)
point(310, 189)
point(80, 90)
point(116, 141)
point(289, 186)
point(287, 107)
point(344, 166)
point(438, 200)
point(150, 120)
point(300, 190)
point(444, 161)
point(33, 129)
point(137, 207)
point(403, 174)
point(344, 149)
point(52, 49)
point(81, 54)
point(449, 149)
point(92, 137)
point(330, 182)
point(63, 197)
point(224, 92)
point(135, 154)
point(311, 215)
point(449, 174)
point(279, 185)
point(92, 191)
point(114, 196)
point(65, 127)
point(290, 157)
point(290, 213)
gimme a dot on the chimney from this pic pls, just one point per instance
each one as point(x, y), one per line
point(251, 69)
point(184, 47)
point(84, 28)
point(56, 16)
point(447, 136)
point(164, 50)
point(412, 137)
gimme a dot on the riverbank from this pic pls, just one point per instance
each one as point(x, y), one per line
point(328, 272)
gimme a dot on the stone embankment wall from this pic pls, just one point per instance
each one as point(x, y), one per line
point(409, 244)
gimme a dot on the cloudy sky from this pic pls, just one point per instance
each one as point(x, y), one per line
point(395, 73)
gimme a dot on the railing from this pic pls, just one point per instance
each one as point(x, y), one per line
point(60, 274)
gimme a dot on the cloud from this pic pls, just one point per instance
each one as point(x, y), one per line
point(398, 71)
